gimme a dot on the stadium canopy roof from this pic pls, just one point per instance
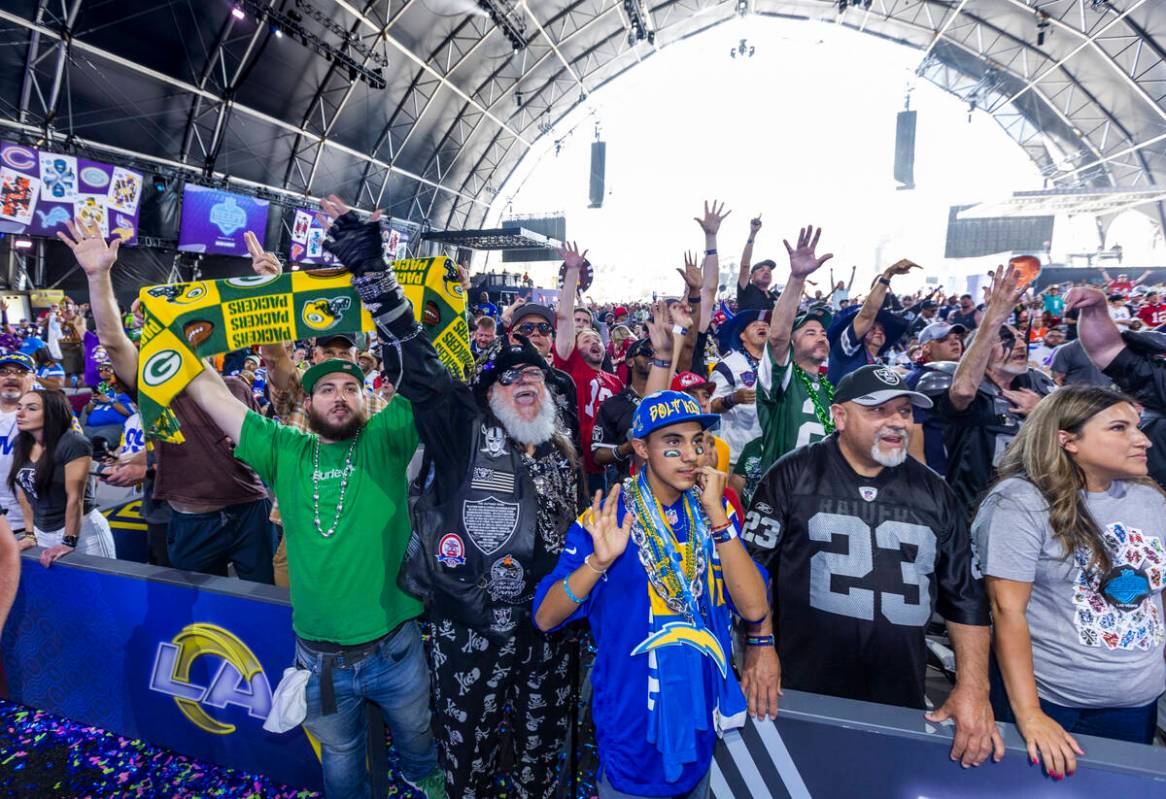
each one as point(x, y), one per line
point(425, 107)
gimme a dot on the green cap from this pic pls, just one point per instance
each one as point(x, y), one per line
point(816, 314)
point(313, 375)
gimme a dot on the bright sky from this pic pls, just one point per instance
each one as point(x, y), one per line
point(803, 132)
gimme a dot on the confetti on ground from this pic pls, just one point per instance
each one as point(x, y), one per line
point(49, 757)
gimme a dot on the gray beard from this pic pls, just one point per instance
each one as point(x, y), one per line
point(888, 459)
point(530, 432)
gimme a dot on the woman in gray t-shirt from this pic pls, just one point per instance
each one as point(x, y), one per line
point(1072, 540)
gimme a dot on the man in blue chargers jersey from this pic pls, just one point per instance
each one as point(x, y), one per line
point(659, 607)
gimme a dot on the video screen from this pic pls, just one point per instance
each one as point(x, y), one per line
point(214, 221)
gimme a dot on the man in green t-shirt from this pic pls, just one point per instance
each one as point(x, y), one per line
point(344, 500)
point(793, 399)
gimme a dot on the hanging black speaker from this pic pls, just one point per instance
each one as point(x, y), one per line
point(905, 149)
point(598, 160)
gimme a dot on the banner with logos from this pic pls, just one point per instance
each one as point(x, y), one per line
point(40, 191)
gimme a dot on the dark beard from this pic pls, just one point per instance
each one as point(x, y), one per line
point(336, 432)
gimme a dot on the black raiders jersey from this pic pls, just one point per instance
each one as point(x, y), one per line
point(857, 566)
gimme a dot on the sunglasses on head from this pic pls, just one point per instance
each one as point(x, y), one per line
point(529, 327)
point(512, 376)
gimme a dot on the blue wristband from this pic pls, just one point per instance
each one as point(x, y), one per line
point(571, 594)
point(759, 640)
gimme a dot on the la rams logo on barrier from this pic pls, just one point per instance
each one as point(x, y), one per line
point(238, 680)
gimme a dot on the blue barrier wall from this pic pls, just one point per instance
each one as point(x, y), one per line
point(188, 661)
point(181, 660)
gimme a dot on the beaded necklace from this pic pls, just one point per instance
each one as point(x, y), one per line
point(678, 583)
point(820, 410)
point(343, 485)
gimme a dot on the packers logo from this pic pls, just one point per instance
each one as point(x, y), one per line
point(238, 678)
point(453, 280)
point(161, 366)
point(180, 293)
point(251, 281)
point(325, 313)
point(681, 633)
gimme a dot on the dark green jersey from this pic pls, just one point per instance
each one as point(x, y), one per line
point(749, 467)
point(785, 409)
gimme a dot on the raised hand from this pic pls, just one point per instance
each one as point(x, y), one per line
point(1081, 297)
point(754, 225)
point(660, 329)
point(332, 208)
point(93, 255)
point(713, 217)
point(803, 259)
point(900, 267)
point(680, 315)
point(263, 263)
point(609, 538)
point(572, 257)
point(1005, 290)
point(691, 272)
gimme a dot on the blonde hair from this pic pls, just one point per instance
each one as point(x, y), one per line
point(1036, 455)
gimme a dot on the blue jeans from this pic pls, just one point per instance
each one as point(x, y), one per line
point(396, 678)
point(1133, 724)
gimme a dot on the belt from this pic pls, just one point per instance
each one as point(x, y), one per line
point(331, 652)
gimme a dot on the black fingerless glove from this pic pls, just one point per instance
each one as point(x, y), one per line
point(357, 245)
point(385, 300)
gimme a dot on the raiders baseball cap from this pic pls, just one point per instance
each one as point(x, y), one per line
point(939, 330)
point(314, 375)
point(874, 385)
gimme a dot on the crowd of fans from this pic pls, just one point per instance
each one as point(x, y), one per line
point(835, 472)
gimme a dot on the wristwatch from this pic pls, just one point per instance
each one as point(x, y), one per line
point(69, 541)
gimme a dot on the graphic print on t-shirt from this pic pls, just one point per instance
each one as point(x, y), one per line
point(1118, 610)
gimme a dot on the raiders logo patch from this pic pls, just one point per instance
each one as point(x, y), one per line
point(868, 493)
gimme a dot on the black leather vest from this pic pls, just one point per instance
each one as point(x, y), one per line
point(476, 558)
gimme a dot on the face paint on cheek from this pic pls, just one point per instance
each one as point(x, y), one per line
point(671, 453)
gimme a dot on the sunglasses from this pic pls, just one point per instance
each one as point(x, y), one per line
point(530, 373)
point(530, 327)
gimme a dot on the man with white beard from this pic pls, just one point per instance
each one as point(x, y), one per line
point(490, 524)
point(863, 544)
point(982, 400)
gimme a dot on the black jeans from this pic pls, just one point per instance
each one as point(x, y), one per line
point(239, 534)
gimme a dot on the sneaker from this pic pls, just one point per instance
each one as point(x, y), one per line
point(432, 784)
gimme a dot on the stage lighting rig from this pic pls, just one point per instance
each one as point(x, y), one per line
point(639, 23)
point(291, 23)
point(505, 14)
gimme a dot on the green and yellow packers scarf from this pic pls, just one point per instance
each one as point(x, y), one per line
point(186, 322)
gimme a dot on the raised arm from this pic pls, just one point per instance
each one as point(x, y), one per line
point(747, 253)
point(970, 372)
point(1099, 334)
point(853, 272)
point(216, 400)
point(279, 364)
point(565, 313)
point(878, 292)
point(96, 259)
point(663, 339)
point(803, 261)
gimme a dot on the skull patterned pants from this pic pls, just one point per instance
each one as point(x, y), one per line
point(488, 693)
